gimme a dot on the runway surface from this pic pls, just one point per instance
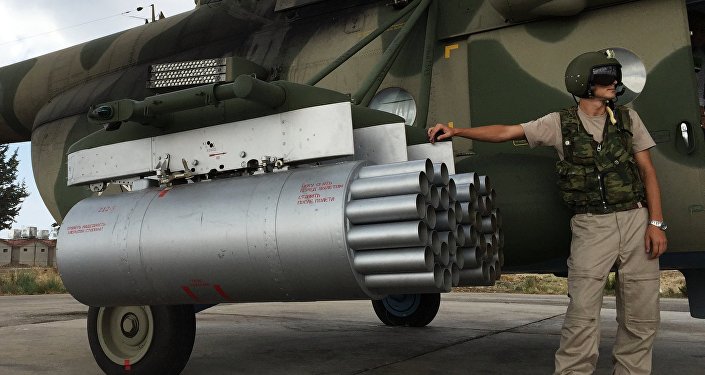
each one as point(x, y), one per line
point(472, 334)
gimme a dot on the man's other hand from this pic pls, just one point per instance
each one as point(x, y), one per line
point(656, 243)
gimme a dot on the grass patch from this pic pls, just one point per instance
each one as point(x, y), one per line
point(672, 285)
point(611, 284)
point(523, 284)
point(31, 281)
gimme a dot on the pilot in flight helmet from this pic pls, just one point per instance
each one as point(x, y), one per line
point(592, 68)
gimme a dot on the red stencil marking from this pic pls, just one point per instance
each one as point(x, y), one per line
point(222, 293)
point(190, 292)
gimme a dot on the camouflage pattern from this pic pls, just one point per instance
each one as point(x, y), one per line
point(494, 61)
point(598, 178)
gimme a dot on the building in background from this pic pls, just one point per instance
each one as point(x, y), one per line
point(33, 252)
point(28, 248)
point(5, 253)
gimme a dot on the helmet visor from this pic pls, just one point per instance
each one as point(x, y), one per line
point(606, 75)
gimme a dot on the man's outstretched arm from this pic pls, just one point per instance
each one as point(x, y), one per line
point(490, 133)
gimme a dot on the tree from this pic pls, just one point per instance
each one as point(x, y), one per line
point(12, 192)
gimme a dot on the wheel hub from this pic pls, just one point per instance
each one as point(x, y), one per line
point(402, 305)
point(130, 325)
point(125, 332)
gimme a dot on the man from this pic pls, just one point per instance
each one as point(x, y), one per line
point(606, 175)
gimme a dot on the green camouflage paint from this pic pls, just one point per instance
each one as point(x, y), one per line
point(670, 97)
point(10, 77)
point(95, 49)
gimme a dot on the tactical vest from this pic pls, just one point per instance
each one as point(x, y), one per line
point(598, 177)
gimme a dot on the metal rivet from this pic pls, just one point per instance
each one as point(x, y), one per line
point(243, 154)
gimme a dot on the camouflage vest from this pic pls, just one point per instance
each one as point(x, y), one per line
point(598, 177)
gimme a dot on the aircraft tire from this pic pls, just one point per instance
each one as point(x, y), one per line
point(142, 339)
point(408, 310)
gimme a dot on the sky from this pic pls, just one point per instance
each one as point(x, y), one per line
point(30, 28)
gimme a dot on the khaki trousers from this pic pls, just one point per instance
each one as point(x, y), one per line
point(599, 242)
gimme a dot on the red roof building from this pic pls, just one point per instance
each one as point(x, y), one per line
point(30, 252)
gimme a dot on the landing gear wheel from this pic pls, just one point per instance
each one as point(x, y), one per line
point(141, 339)
point(412, 310)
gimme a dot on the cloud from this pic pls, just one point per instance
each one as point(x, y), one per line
point(30, 29)
point(16, 34)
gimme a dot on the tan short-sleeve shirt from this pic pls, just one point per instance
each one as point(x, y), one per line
point(546, 131)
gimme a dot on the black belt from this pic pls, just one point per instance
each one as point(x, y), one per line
point(598, 210)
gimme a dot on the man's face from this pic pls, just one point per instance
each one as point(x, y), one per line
point(608, 92)
point(604, 81)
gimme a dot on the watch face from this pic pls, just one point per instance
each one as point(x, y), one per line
point(663, 225)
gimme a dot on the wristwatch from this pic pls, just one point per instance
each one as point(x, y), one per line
point(659, 224)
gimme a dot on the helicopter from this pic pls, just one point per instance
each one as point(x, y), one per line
point(276, 150)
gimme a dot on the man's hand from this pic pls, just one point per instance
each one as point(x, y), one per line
point(656, 242)
point(445, 132)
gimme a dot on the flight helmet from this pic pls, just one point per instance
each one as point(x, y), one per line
point(591, 68)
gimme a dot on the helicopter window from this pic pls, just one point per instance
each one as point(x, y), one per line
point(397, 101)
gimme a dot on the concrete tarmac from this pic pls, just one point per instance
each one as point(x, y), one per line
point(472, 334)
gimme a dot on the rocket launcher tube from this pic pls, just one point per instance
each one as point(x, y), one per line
point(444, 198)
point(434, 279)
point(404, 260)
point(459, 260)
point(474, 276)
point(444, 257)
point(472, 257)
point(386, 209)
point(459, 236)
point(440, 174)
point(435, 242)
point(430, 217)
